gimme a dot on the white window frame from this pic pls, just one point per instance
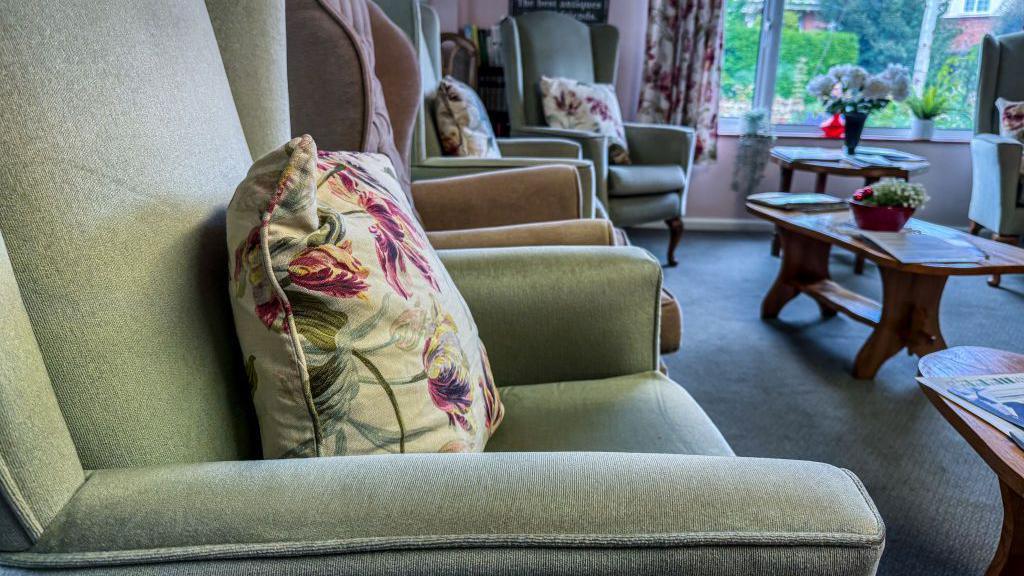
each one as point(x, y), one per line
point(764, 89)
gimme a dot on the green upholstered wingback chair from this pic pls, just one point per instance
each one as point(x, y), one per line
point(550, 44)
point(127, 440)
point(997, 191)
point(997, 197)
point(422, 27)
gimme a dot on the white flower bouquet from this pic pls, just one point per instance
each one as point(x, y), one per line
point(850, 89)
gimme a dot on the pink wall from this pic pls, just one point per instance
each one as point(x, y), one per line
point(629, 16)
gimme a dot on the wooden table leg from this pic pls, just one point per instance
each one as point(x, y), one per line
point(785, 185)
point(910, 319)
point(996, 279)
point(1009, 556)
point(804, 261)
point(786, 179)
point(821, 182)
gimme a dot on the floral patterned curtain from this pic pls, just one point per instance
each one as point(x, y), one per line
point(682, 68)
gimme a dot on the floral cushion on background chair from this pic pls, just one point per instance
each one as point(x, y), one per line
point(1011, 122)
point(355, 338)
point(462, 122)
point(577, 105)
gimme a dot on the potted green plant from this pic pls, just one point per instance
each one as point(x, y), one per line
point(926, 107)
point(887, 205)
point(851, 91)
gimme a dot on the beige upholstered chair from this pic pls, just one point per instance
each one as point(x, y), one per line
point(997, 194)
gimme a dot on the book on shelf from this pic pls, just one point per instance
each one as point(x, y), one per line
point(911, 246)
point(998, 399)
point(798, 202)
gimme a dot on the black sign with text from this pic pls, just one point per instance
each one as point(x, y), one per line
point(586, 11)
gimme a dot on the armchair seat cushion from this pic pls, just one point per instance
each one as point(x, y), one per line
point(643, 412)
point(635, 180)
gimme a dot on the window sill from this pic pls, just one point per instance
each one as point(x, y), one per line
point(730, 127)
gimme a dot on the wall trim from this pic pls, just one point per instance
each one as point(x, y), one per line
point(701, 224)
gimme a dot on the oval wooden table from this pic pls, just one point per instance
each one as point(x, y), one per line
point(825, 168)
point(994, 447)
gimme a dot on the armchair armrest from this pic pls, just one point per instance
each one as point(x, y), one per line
point(551, 314)
point(419, 513)
point(501, 198)
point(661, 144)
point(446, 166)
point(996, 182)
point(588, 232)
point(593, 145)
point(540, 147)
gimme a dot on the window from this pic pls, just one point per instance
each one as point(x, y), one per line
point(976, 5)
point(767, 66)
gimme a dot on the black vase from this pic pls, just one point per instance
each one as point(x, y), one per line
point(854, 128)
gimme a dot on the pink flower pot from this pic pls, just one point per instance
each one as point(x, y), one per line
point(880, 218)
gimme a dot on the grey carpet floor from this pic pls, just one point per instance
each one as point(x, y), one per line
point(782, 389)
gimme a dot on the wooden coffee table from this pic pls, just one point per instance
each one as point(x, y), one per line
point(907, 317)
point(994, 447)
point(825, 168)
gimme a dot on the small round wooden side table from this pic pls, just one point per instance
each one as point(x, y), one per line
point(994, 447)
point(824, 168)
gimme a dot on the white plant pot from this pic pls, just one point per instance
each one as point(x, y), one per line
point(921, 129)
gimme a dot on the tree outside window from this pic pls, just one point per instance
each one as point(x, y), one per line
point(938, 40)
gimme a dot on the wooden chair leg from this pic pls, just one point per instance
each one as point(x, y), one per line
point(675, 228)
point(973, 228)
point(996, 279)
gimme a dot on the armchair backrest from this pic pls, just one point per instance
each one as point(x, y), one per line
point(118, 158)
point(1001, 75)
point(352, 79)
point(551, 44)
point(422, 27)
point(251, 38)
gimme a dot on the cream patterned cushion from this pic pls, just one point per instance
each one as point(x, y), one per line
point(1011, 122)
point(577, 105)
point(355, 338)
point(462, 122)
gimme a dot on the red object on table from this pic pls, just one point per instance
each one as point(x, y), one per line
point(834, 127)
point(880, 218)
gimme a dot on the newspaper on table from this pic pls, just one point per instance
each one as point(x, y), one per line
point(997, 399)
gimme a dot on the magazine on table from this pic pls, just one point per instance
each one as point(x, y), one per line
point(997, 399)
point(911, 246)
point(889, 154)
point(861, 160)
point(799, 202)
point(807, 154)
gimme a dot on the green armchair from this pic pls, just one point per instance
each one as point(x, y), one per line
point(127, 438)
point(550, 44)
point(420, 24)
point(997, 192)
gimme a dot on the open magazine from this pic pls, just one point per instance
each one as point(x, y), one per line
point(997, 399)
point(911, 246)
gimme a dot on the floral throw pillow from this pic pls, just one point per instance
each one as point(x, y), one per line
point(1011, 121)
point(462, 122)
point(577, 105)
point(355, 338)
